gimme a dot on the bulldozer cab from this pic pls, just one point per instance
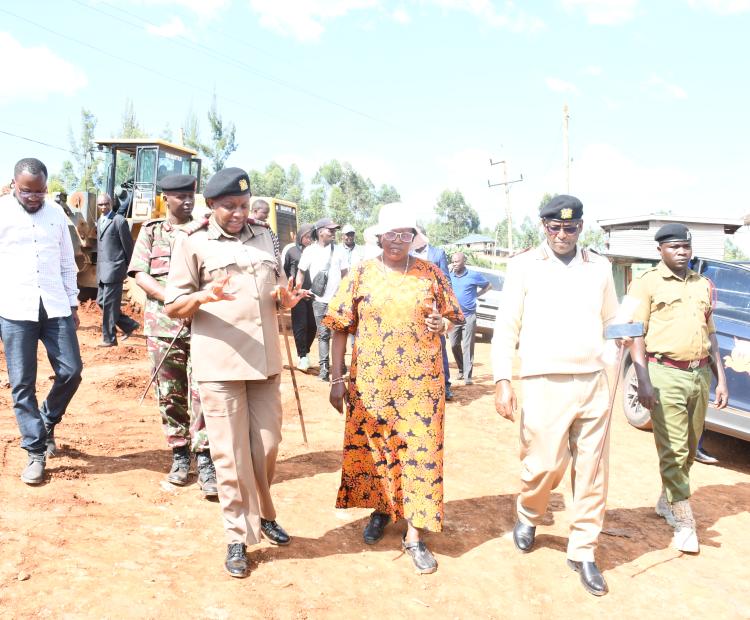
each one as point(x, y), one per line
point(134, 170)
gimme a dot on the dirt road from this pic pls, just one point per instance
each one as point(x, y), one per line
point(106, 537)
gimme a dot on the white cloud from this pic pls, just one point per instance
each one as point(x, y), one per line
point(173, 28)
point(560, 86)
point(511, 19)
point(401, 16)
point(54, 74)
point(604, 12)
point(304, 19)
point(722, 7)
point(594, 70)
point(664, 88)
point(205, 9)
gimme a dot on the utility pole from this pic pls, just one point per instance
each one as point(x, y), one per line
point(509, 216)
point(566, 147)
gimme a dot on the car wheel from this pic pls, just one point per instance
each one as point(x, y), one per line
point(637, 414)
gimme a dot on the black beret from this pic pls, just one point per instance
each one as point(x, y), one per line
point(178, 182)
point(227, 182)
point(562, 207)
point(673, 232)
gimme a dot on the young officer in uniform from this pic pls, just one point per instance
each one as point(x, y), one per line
point(225, 274)
point(557, 300)
point(673, 365)
point(176, 390)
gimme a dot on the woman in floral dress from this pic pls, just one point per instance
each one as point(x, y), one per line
point(397, 306)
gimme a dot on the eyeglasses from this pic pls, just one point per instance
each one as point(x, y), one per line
point(569, 229)
point(391, 235)
point(21, 194)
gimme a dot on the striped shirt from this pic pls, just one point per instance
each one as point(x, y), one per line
point(36, 262)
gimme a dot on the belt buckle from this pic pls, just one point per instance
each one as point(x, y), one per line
point(694, 364)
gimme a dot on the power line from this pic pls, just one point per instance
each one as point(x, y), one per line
point(52, 146)
point(229, 59)
point(144, 67)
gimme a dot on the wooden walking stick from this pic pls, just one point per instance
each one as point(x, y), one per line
point(285, 331)
point(612, 396)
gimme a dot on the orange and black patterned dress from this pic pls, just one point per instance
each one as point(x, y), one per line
point(393, 442)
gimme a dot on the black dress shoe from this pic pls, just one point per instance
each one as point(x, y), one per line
point(591, 578)
point(523, 536)
point(236, 562)
point(448, 394)
point(274, 532)
point(375, 529)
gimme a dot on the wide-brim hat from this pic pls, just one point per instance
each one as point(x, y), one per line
point(392, 216)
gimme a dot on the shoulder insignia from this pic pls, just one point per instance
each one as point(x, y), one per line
point(158, 220)
point(253, 222)
point(521, 252)
point(195, 226)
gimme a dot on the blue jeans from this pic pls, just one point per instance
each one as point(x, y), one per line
point(20, 340)
point(324, 336)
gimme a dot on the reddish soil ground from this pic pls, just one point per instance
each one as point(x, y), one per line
point(107, 537)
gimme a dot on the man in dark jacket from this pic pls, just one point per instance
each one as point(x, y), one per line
point(114, 249)
point(303, 319)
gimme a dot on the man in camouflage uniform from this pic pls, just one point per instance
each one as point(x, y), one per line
point(177, 393)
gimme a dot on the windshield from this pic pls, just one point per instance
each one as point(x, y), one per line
point(495, 279)
point(169, 163)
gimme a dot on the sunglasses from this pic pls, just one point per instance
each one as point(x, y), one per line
point(569, 229)
point(21, 194)
point(406, 237)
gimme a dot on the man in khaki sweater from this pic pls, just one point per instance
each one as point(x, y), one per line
point(557, 299)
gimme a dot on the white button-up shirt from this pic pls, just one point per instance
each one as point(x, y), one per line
point(36, 261)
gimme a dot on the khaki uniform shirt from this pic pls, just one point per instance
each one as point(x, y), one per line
point(676, 313)
point(554, 313)
point(152, 255)
point(232, 340)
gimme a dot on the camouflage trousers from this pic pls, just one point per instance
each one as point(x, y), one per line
point(177, 394)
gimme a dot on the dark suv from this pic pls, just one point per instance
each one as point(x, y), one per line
point(731, 314)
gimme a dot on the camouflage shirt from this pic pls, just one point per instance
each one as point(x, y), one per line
point(152, 255)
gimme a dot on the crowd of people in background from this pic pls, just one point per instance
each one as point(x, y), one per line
point(215, 285)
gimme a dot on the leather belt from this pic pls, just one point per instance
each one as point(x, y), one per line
point(682, 365)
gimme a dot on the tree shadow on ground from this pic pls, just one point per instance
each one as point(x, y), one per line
point(307, 464)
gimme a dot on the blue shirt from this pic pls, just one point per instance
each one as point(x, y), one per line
point(466, 286)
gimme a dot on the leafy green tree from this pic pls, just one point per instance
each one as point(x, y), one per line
point(130, 127)
point(592, 237)
point(456, 218)
point(83, 173)
point(191, 138)
point(312, 208)
point(167, 133)
point(387, 194)
point(222, 143)
point(732, 252)
point(528, 235)
point(278, 183)
point(349, 196)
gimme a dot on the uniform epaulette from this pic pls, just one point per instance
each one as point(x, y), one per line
point(520, 252)
point(195, 226)
point(253, 222)
point(153, 222)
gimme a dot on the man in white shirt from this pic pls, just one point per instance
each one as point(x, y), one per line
point(557, 299)
point(321, 257)
point(38, 301)
point(354, 253)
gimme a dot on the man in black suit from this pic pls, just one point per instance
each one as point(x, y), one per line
point(114, 249)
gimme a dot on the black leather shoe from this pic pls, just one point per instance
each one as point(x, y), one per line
point(424, 562)
point(180, 466)
point(236, 562)
point(274, 532)
point(206, 474)
point(591, 578)
point(375, 529)
point(523, 536)
point(448, 394)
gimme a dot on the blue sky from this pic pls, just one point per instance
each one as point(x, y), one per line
point(415, 93)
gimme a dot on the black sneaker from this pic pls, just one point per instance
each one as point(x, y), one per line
point(180, 466)
point(206, 474)
point(424, 562)
point(236, 562)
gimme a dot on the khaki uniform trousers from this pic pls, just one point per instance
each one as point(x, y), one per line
point(677, 420)
point(243, 420)
point(564, 418)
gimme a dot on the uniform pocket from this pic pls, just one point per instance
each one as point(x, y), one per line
point(221, 399)
point(667, 304)
point(159, 260)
